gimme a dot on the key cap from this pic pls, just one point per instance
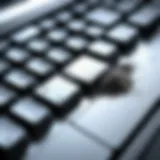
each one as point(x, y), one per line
point(19, 79)
point(146, 19)
point(64, 17)
point(40, 67)
point(25, 34)
point(38, 46)
point(76, 44)
point(60, 93)
point(4, 66)
point(59, 146)
point(33, 115)
point(86, 70)
point(94, 31)
point(103, 50)
point(59, 56)
point(13, 140)
point(103, 17)
point(57, 36)
point(6, 98)
point(47, 24)
point(76, 26)
point(124, 35)
point(17, 55)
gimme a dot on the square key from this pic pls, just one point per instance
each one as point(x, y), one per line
point(13, 139)
point(76, 43)
point(38, 46)
point(6, 97)
point(103, 49)
point(40, 67)
point(86, 70)
point(76, 26)
point(26, 34)
point(64, 17)
point(17, 55)
point(103, 17)
point(59, 92)
point(33, 115)
point(19, 79)
point(94, 31)
point(59, 56)
point(146, 19)
point(124, 35)
point(47, 24)
point(57, 35)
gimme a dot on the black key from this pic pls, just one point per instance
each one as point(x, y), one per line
point(86, 70)
point(47, 24)
point(17, 55)
point(25, 34)
point(76, 44)
point(124, 35)
point(4, 66)
point(33, 115)
point(13, 140)
point(39, 67)
point(38, 46)
point(103, 49)
point(19, 79)
point(59, 56)
point(146, 19)
point(103, 17)
point(64, 17)
point(6, 98)
point(76, 26)
point(60, 93)
point(57, 35)
point(94, 31)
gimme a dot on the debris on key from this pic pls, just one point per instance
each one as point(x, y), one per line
point(117, 81)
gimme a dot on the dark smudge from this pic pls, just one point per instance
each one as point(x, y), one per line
point(117, 81)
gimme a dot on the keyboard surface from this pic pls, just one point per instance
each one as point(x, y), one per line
point(49, 65)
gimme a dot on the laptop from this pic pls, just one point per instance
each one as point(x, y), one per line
point(54, 56)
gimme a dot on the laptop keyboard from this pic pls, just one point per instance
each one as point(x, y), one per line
point(48, 65)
